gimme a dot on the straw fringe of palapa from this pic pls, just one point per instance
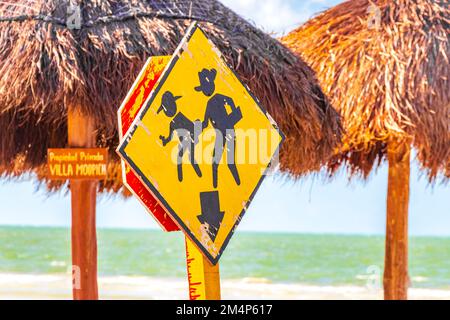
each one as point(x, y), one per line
point(389, 80)
point(46, 66)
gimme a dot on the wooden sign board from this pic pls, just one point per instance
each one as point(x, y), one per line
point(189, 145)
point(77, 163)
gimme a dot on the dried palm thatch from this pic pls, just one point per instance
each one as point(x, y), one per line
point(385, 65)
point(46, 66)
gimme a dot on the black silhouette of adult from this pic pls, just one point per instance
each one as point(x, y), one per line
point(185, 129)
point(222, 121)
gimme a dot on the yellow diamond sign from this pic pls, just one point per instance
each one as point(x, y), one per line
point(202, 144)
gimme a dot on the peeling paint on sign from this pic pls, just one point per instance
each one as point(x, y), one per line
point(205, 196)
point(132, 104)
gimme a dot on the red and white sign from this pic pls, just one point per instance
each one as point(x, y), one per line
point(130, 107)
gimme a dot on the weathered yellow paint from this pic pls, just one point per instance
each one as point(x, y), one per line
point(203, 277)
point(187, 198)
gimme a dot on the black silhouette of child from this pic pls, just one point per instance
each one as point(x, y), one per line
point(222, 121)
point(185, 129)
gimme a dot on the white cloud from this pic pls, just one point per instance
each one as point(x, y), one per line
point(278, 16)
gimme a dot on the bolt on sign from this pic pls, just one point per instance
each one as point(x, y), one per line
point(77, 163)
point(202, 144)
point(127, 112)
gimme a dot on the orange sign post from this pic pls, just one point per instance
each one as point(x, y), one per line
point(82, 165)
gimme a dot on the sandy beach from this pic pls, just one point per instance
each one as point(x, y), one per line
point(58, 286)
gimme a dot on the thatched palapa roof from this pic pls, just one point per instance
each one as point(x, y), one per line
point(45, 65)
point(385, 66)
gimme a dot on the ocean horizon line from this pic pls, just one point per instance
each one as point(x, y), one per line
point(253, 232)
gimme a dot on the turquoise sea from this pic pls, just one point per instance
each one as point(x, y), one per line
point(286, 258)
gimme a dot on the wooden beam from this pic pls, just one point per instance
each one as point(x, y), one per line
point(81, 134)
point(396, 279)
point(203, 277)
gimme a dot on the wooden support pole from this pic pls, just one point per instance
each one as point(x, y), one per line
point(81, 134)
point(396, 279)
point(203, 277)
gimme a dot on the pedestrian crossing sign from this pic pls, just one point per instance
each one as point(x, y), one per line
point(202, 144)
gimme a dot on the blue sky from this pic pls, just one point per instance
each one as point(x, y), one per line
point(278, 16)
point(281, 205)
